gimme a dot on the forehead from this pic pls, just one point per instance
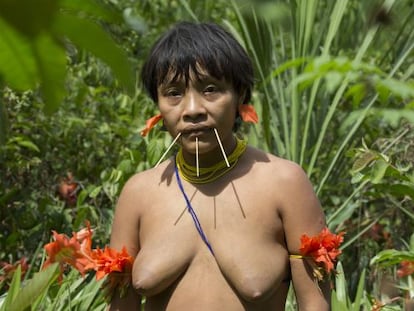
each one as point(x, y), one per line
point(198, 74)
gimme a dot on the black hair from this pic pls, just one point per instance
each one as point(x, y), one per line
point(188, 46)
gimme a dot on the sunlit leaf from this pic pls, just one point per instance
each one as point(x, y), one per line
point(34, 288)
point(51, 61)
point(13, 290)
point(18, 67)
point(29, 17)
point(363, 160)
point(378, 171)
point(92, 8)
point(89, 36)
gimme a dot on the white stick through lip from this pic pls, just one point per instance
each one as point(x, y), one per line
point(197, 163)
point(168, 149)
point(222, 149)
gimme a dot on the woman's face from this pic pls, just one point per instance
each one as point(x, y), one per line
point(196, 109)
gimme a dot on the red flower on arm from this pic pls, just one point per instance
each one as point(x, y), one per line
point(323, 249)
point(150, 123)
point(109, 260)
point(117, 266)
point(248, 114)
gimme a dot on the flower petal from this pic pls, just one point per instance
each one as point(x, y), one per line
point(248, 113)
point(150, 123)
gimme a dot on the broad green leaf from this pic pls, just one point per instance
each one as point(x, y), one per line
point(378, 171)
point(89, 36)
point(92, 8)
point(357, 305)
point(155, 150)
point(35, 288)
point(28, 144)
point(13, 290)
point(363, 160)
point(340, 281)
point(17, 63)
point(51, 61)
point(402, 190)
point(93, 194)
point(29, 17)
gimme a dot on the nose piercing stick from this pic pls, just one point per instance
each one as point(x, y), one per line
point(197, 164)
point(222, 149)
point(168, 149)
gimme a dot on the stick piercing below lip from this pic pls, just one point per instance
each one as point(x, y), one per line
point(168, 149)
point(197, 163)
point(221, 147)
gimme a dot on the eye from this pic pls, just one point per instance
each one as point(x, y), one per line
point(172, 92)
point(211, 88)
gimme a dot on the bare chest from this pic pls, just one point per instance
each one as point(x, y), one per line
point(243, 230)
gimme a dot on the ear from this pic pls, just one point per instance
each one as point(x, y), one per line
point(242, 97)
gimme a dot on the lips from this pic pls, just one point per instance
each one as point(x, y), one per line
point(196, 130)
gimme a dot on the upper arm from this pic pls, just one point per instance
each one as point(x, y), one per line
point(125, 232)
point(301, 213)
point(125, 226)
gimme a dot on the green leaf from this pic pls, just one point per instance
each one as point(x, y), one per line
point(29, 17)
point(363, 160)
point(51, 62)
point(13, 290)
point(18, 66)
point(93, 9)
point(28, 144)
point(35, 287)
point(341, 286)
point(378, 171)
point(95, 192)
point(89, 36)
point(357, 305)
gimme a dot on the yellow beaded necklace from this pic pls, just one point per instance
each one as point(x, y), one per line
point(209, 174)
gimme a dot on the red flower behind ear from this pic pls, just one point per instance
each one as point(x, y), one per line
point(150, 123)
point(248, 114)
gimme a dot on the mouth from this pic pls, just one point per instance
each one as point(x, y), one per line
point(196, 130)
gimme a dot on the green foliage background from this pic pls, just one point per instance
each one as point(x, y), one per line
point(335, 93)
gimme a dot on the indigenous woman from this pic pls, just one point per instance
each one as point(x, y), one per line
point(218, 225)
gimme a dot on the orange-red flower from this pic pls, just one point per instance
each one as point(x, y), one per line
point(65, 250)
point(406, 268)
point(322, 248)
point(150, 123)
point(248, 114)
point(77, 251)
point(109, 260)
point(7, 270)
point(84, 237)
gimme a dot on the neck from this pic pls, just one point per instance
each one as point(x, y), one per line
point(202, 175)
point(211, 157)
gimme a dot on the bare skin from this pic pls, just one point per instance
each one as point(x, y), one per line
point(253, 217)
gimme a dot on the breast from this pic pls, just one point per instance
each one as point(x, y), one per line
point(255, 272)
point(164, 257)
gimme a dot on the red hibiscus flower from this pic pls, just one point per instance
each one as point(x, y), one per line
point(109, 260)
point(322, 248)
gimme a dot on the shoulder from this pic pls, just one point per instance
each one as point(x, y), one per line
point(275, 169)
point(142, 186)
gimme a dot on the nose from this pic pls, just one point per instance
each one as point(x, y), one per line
point(194, 109)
